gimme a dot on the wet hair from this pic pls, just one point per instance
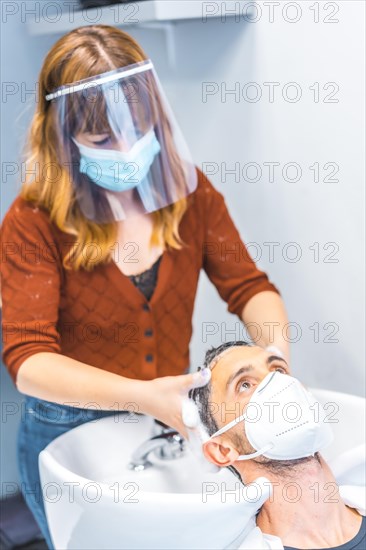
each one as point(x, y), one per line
point(202, 395)
point(202, 398)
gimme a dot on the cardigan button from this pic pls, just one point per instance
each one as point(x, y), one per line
point(149, 358)
point(146, 307)
point(148, 332)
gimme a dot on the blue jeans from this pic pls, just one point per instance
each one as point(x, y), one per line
point(42, 422)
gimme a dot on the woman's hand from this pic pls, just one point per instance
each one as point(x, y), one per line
point(163, 398)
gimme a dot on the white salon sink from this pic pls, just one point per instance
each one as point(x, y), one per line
point(94, 501)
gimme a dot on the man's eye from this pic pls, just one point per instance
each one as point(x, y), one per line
point(244, 386)
point(281, 369)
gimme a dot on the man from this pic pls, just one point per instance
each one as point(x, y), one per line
point(305, 510)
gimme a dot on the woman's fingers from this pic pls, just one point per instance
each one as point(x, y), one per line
point(190, 414)
point(168, 393)
point(197, 379)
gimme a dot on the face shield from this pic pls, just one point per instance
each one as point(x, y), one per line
point(118, 137)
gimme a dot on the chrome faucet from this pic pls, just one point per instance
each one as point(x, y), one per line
point(168, 444)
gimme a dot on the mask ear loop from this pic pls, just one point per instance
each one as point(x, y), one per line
point(228, 426)
point(257, 453)
point(243, 416)
point(233, 423)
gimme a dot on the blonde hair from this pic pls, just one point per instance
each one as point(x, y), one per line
point(83, 53)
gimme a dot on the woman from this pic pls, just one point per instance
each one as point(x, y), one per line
point(103, 249)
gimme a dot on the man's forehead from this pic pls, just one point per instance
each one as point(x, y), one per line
point(230, 361)
point(218, 357)
point(234, 353)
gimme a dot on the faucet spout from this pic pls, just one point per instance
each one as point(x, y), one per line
point(168, 445)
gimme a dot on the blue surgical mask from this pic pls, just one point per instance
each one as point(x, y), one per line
point(117, 170)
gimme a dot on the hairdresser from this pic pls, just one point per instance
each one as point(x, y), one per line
point(103, 247)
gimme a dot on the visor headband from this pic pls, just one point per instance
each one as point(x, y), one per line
point(107, 78)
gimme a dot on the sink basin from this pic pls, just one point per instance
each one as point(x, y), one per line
point(94, 501)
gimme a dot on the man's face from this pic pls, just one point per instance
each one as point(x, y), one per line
point(235, 374)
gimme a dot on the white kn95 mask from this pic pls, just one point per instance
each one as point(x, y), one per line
point(283, 420)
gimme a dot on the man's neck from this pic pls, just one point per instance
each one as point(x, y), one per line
point(305, 509)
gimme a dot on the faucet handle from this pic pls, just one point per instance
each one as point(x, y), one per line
point(174, 448)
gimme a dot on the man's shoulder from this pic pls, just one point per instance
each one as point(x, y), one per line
point(354, 496)
point(259, 540)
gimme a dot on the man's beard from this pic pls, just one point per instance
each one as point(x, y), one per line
point(281, 468)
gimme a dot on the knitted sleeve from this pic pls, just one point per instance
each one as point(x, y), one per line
point(30, 285)
point(226, 259)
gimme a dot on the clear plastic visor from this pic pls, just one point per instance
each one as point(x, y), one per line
point(120, 136)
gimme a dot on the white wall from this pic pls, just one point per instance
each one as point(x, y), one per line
point(226, 131)
point(21, 59)
point(282, 212)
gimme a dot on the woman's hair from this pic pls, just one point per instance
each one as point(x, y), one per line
point(83, 53)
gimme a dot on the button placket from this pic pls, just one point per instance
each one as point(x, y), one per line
point(148, 347)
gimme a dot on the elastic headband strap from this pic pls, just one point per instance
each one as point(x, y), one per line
point(108, 78)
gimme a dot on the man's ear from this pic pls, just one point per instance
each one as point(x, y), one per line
point(220, 452)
